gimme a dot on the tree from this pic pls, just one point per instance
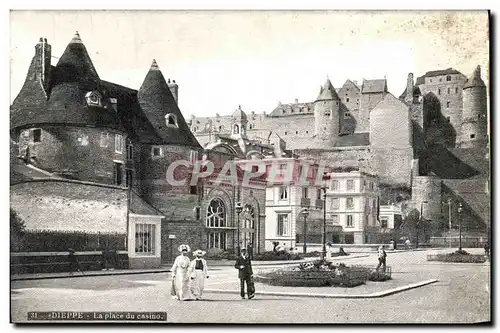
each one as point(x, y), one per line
point(412, 224)
point(17, 228)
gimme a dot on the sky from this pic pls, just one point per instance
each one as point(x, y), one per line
point(256, 59)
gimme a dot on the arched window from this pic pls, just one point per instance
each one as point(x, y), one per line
point(236, 129)
point(171, 120)
point(216, 214)
point(249, 217)
point(221, 128)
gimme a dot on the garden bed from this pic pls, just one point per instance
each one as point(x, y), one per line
point(270, 256)
point(321, 273)
point(457, 257)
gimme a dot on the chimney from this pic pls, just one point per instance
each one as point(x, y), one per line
point(409, 88)
point(174, 89)
point(42, 63)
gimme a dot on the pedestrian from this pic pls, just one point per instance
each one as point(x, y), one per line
point(487, 249)
point(245, 274)
point(105, 259)
point(382, 255)
point(198, 271)
point(180, 284)
point(407, 244)
point(74, 264)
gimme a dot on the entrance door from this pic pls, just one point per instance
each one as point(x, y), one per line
point(118, 173)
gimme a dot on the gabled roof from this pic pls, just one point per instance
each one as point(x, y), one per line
point(327, 92)
point(374, 86)
point(156, 101)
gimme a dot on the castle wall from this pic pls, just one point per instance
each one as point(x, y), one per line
point(82, 153)
point(427, 188)
point(367, 103)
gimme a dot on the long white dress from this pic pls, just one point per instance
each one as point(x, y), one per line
point(181, 278)
point(198, 277)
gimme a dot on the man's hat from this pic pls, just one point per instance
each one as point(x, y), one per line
point(199, 253)
point(184, 248)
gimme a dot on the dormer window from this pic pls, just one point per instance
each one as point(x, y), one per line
point(93, 98)
point(171, 120)
point(236, 129)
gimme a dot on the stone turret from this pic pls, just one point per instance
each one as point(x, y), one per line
point(326, 114)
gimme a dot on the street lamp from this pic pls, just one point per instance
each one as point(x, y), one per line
point(420, 220)
point(305, 212)
point(460, 226)
point(326, 177)
point(239, 209)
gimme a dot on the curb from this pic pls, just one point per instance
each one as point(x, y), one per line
point(22, 278)
point(313, 295)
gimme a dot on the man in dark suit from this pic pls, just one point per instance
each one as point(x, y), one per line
point(245, 274)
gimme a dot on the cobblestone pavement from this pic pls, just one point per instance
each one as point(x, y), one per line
point(462, 295)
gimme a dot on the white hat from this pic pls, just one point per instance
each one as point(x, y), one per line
point(184, 247)
point(199, 253)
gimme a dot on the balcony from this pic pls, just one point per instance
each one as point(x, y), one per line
point(305, 202)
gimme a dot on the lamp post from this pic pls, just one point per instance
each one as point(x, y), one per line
point(420, 220)
point(449, 219)
point(326, 177)
point(239, 209)
point(460, 226)
point(305, 212)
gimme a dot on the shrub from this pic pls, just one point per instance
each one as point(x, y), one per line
point(379, 276)
point(276, 256)
point(219, 254)
point(459, 256)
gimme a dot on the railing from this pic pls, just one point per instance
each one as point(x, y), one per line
point(455, 241)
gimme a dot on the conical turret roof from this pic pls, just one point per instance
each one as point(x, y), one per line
point(156, 101)
point(475, 80)
point(327, 92)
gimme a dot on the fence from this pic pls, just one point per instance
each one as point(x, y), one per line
point(470, 242)
point(55, 241)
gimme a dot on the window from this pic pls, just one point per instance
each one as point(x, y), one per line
point(248, 217)
point(327, 113)
point(472, 136)
point(305, 192)
point(145, 238)
point(216, 214)
point(283, 192)
point(197, 213)
point(439, 91)
point(347, 99)
point(448, 78)
point(449, 90)
point(349, 221)
point(220, 128)
point(431, 80)
point(448, 118)
point(93, 98)
point(335, 219)
point(335, 203)
point(307, 132)
point(255, 168)
point(349, 203)
point(36, 134)
point(283, 227)
point(118, 174)
point(156, 151)
point(347, 114)
point(130, 152)
point(383, 221)
point(250, 126)
point(447, 104)
point(318, 194)
point(296, 132)
point(285, 133)
point(128, 178)
point(119, 143)
point(83, 140)
point(193, 156)
point(335, 185)
point(456, 90)
point(171, 120)
point(104, 140)
point(193, 189)
point(217, 240)
point(350, 185)
point(440, 79)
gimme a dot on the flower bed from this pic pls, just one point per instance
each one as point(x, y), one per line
point(269, 256)
point(319, 273)
point(459, 256)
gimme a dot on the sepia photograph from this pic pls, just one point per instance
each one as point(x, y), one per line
point(250, 166)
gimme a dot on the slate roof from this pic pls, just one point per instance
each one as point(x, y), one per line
point(374, 86)
point(327, 92)
point(140, 113)
point(440, 72)
point(292, 109)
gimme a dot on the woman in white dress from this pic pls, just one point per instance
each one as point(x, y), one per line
point(179, 274)
point(198, 271)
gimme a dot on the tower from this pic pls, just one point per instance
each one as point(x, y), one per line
point(239, 124)
point(326, 113)
point(474, 132)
